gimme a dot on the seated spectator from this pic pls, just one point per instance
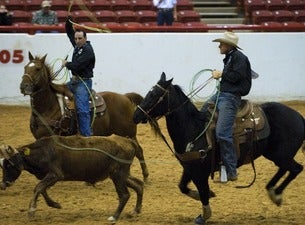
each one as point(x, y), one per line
point(5, 16)
point(45, 16)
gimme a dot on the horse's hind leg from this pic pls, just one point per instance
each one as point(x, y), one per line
point(275, 193)
point(140, 157)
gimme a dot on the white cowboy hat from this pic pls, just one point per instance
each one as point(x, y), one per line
point(45, 4)
point(229, 38)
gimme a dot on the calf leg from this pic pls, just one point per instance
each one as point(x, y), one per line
point(137, 186)
point(49, 180)
point(49, 201)
point(123, 194)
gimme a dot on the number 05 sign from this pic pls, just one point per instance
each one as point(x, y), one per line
point(11, 56)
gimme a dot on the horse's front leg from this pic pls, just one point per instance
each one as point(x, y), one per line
point(183, 186)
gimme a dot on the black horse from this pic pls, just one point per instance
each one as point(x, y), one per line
point(185, 123)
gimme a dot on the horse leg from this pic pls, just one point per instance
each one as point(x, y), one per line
point(140, 157)
point(203, 188)
point(183, 186)
point(275, 194)
point(137, 186)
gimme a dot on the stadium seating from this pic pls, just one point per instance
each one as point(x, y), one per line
point(254, 5)
point(62, 15)
point(32, 5)
point(138, 5)
point(273, 5)
point(294, 4)
point(185, 5)
point(145, 16)
point(293, 26)
point(261, 16)
point(83, 16)
point(283, 15)
point(120, 5)
point(126, 16)
point(132, 24)
point(15, 4)
point(97, 5)
point(60, 5)
point(188, 16)
point(299, 15)
point(21, 16)
point(106, 16)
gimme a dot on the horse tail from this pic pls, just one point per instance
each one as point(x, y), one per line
point(135, 98)
point(303, 145)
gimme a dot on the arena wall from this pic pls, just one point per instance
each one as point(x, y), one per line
point(133, 62)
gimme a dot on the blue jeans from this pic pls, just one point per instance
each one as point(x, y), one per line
point(166, 17)
point(227, 107)
point(80, 90)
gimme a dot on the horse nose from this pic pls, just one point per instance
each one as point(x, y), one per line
point(25, 88)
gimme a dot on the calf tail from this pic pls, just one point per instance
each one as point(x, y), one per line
point(135, 98)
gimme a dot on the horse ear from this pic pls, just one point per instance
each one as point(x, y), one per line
point(30, 56)
point(163, 77)
point(44, 58)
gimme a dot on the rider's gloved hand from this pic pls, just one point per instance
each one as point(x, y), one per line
point(216, 74)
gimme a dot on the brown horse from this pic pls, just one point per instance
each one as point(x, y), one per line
point(47, 118)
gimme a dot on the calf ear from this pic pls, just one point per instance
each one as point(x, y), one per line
point(7, 151)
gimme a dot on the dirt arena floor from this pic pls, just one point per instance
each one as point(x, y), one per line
point(163, 204)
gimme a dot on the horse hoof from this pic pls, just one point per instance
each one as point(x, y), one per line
point(199, 220)
point(112, 219)
point(275, 198)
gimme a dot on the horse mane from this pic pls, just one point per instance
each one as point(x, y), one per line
point(189, 105)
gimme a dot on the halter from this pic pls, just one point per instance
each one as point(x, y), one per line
point(188, 154)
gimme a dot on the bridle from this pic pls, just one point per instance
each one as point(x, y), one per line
point(32, 81)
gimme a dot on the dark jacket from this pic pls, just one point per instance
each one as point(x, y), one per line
point(236, 75)
point(5, 19)
point(83, 59)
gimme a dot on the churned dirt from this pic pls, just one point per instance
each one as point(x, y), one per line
point(163, 204)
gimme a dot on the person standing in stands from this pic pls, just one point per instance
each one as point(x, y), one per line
point(45, 16)
point(167, 12)
point(81, 66)
point(5, 16)
point(236, 81)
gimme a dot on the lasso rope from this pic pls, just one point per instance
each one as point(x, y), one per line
point(193, 81)
point(93, 18)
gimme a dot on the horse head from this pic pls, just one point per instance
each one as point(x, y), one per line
point(36, 75)
point(155, 103)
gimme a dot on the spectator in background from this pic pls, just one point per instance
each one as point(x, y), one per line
point(45, 16)
point(167, 12)
point(5, 16)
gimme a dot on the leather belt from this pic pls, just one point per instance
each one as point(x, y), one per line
point(79, 78)
point(165, 9)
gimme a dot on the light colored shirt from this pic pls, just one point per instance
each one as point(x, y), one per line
point(39, 17)
point(165, 4)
